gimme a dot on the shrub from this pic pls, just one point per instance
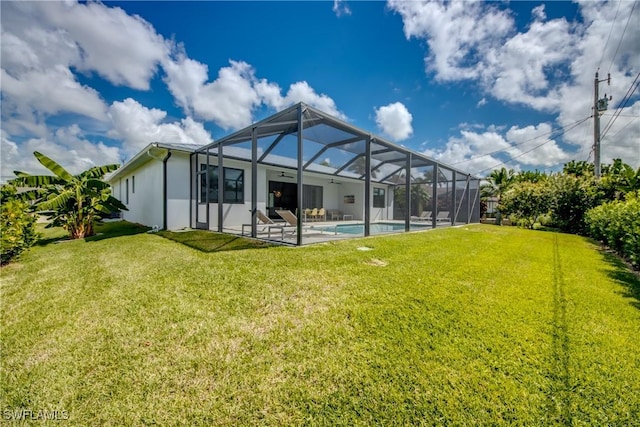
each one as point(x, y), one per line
point(17, 228)
point(573, 196)
point(526, 201)
point(617, 224)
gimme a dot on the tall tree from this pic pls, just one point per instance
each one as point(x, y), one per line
point(70, 201)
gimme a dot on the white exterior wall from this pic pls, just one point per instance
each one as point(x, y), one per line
point(144, 202)
point(178, 175)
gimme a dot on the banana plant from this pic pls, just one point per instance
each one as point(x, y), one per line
point(70, 201)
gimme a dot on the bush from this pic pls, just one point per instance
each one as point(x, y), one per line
point(525, 202)
point(617, 224)
point(572, 197)
point(17, 228)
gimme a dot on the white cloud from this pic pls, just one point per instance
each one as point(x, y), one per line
point(52, 91)
point(479, 152)
point(42, 42)
point(340, 8)
point(122, 48)
point(232, 98)
point(458, 34)
point(302, 92)
point(531, 146)
point(482, 102)
point(394, 120)
point(137, 126)
point(549, 66)
point(67, 146)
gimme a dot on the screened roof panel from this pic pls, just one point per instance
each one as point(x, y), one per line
point(320, 130)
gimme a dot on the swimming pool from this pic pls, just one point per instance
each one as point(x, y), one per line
point(377, 227)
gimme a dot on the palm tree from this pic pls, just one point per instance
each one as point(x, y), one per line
point(499, 180)
point(359, 166)
point(70, 201)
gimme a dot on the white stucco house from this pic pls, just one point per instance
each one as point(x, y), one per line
point(297, 159)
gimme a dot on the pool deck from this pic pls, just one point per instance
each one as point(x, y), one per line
point(312, 232)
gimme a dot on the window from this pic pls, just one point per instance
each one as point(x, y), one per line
point(233, 184)
point(312, 196)
point(378, 198)
point(127, 189)
point(133, 184)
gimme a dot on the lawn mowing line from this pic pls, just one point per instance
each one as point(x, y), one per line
point(559, 397)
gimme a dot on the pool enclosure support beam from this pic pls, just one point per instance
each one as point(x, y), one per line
point(220, 188)
point(206, 192)
point(379, 165)
point(392, 174)
point(468, 190)
point(407, 194)
point(272, 146)
point(332, 145)
point(349, 163)
point(300, 182)
point(254, 182)
point(367, 188)
point(454, 205)
point(434, 197)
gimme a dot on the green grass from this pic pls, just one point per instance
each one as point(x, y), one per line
point(479, 325)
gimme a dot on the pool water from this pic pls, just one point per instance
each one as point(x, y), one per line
point(378, 227)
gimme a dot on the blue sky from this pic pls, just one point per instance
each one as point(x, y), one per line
point(475, 84)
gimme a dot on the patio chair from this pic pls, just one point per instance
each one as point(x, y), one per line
point(264, 224)
point(442, 216)
point(322, 215)
point(424, 216)
point(314, 214)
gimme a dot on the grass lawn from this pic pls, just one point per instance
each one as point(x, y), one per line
point(479, 325)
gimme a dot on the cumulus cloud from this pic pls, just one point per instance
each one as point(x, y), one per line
point(137, 126)
point(90, 37)
point(340, 8)
point(231, 99)
point(547, 66)
point(479, 152)
point(42, 42)
point(67, 146)
point(394, 120)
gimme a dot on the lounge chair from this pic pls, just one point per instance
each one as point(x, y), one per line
point(322, 215)
point(424, 216)
point(264, 224)
point(292, 222)
point(443, 216)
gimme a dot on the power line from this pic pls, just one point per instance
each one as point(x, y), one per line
point(534, 148)
point(623, 103)
point(622, 37)
point(519, 143)
point(624, 127)
point(610, 31)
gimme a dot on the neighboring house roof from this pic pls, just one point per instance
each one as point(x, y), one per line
point(148, 153)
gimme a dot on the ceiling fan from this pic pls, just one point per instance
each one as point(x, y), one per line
point(283, 175)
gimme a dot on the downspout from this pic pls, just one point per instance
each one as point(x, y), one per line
point(164, 189)
point(164, 182)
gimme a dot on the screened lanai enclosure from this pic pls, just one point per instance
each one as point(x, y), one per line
point(302, 176)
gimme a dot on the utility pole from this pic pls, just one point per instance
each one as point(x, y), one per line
point(598, 106)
